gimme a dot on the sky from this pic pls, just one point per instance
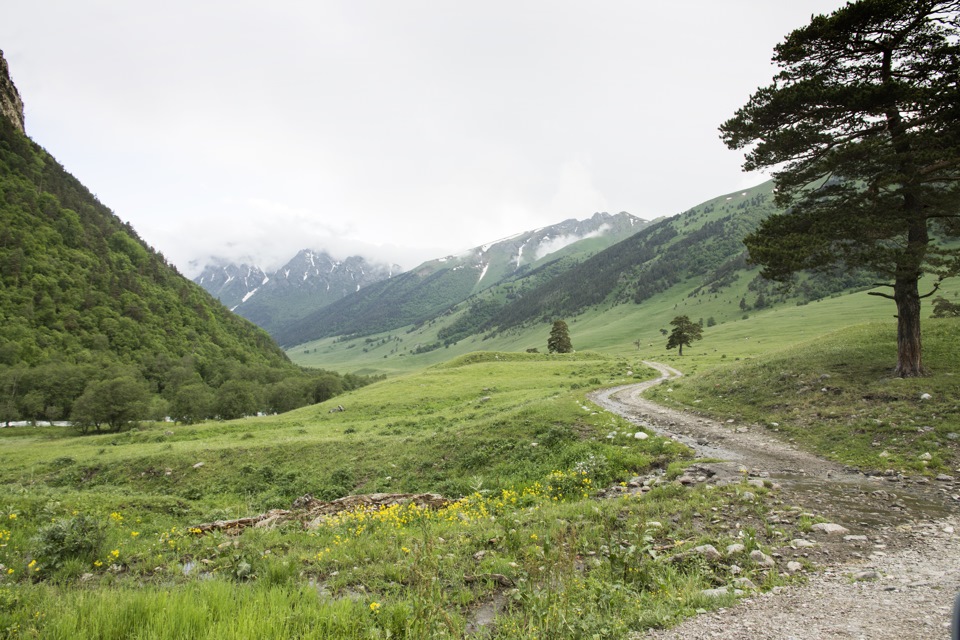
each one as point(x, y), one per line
point(402, 130)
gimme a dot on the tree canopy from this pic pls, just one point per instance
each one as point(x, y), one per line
point(684, 333)
point(559, 340)
point(862, 128)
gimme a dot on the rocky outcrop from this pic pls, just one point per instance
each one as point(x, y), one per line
point(11, 106)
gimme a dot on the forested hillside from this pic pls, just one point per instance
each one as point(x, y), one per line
point(84, 301)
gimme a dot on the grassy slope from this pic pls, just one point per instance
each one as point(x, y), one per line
point(614, 330)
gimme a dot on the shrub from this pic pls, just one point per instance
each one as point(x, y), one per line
point(79, 537)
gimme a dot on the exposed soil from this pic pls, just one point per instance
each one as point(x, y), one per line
point(894, 574)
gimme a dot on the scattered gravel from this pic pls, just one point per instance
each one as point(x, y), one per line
point(893, 575)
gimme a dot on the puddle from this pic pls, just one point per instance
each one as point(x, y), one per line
point(864, 502)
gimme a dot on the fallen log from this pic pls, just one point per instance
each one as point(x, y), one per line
point(307, 509)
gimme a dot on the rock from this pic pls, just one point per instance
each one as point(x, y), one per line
point(953, 435)
point(944, 478)
point(653, 524)
point(686, 479)
point(749, 496)
point(762, 559)
point(800, 543)
point(794, 566)
point(198, 465)
point(855, 538)
point(866, 575)
point(744, 583)
point(756, 482)
point(830, 528)
point(926, 456)
point(715, 593)
point(640, 435)
point(925, 396)
point(884, 454)
point(708, 551)
point(735, 548)
point(478, 556)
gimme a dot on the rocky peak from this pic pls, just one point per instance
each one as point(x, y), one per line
point(11, 106)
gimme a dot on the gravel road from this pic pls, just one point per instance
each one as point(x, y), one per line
point(894, 576)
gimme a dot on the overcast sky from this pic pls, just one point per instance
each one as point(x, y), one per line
point(404, 130)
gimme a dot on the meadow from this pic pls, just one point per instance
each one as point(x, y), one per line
point(99, 537)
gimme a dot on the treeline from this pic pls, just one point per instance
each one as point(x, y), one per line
point(112, 397)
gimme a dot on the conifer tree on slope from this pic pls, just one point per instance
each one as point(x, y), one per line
point(559, 340)
point(862, 128)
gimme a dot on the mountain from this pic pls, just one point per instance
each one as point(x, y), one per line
point(700, 251)
point(437, 285)
point(89, 312)
point(310, 281)
point(691, 263)
point(232, 284)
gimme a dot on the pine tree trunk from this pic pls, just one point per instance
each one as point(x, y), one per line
point(909, 361)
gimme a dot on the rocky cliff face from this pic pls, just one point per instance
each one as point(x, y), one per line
point(11, 106)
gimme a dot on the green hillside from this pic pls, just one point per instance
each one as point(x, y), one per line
point(693, 263)
point(84, 300)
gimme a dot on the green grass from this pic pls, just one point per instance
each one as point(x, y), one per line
point(511, 434)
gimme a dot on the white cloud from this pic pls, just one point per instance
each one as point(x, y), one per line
point(416, 124)
point(552, 245)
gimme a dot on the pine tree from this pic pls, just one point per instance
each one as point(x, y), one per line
point(862, 129)
point(559, 340)
point(684, 333)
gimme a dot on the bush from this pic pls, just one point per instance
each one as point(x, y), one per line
point(79, 537)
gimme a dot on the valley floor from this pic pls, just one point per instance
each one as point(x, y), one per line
point(891, 573)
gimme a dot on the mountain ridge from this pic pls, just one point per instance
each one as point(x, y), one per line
point(311, 280)
point(436, 285)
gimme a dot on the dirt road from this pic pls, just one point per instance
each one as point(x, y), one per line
point(894, 576)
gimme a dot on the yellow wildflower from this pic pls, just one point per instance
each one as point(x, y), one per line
point(374, 606)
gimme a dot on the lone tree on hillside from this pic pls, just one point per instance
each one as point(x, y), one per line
point(559, 340)
point(684, 333)
point(862, 126)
